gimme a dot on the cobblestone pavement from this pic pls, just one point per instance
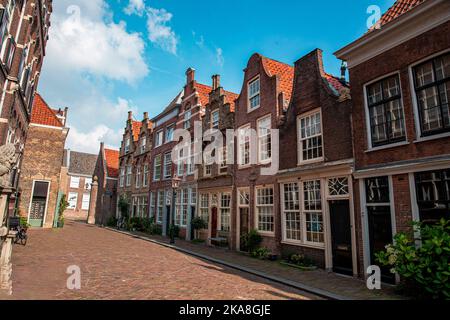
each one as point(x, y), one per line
point(116, 266)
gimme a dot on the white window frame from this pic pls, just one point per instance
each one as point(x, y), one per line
point(167, 165)
point(159, 138)
point(220, 220)
point(138, 177)
point(157, 168)
point(256, 205)
point(145, 176)
point(127, 145)
point(242, 165)
point(305, 212)
point(143, 144)
point(260, 138)
point(300, 139)
point(215, 124)
point(187, 119)
point(160, 202)
point(169, 133)
point(284, 212)
point(128, 175)
point(74, 196)
point(75, 182)
point(250, 97)
point(203, 208)
point(122, 177)
point(87, 183)
point(86, 198)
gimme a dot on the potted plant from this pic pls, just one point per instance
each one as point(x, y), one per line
point(299, 261)
point(198, 224)
point(62, 208)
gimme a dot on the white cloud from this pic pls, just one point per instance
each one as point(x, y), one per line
point(88, 58)
point(135, 7)
point(90, 141)
point(106, 49)
point(219, 57)
point(159, 32)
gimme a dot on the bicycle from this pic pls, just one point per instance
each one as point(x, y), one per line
point(21, 236)
point(121, 223)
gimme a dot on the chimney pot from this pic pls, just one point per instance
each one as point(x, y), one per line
point(343, 70)
point(145, 115)
point(130, 115)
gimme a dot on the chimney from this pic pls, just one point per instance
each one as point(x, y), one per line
point(145, 116)
point(215, 81)
point(190, 75)
point(130, 115)
point(343, 70)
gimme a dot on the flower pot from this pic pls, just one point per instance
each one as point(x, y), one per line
point(60, 224)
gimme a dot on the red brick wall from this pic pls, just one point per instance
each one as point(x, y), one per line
point(396, 59)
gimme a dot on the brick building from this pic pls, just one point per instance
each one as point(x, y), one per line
point(40, 179)
point(80, 168)
point(216, 180)
point(400, 80)
point(24, 29)
point(265, 93)
point(107, 173)
point(316, 164)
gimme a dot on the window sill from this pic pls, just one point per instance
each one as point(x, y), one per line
point(306, 162)
point(250, 110)
point(244, 167)
point(434, 137)
point(305, 245)
point(388, 146)
point(267, 234)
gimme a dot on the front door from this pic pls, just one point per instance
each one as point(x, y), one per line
point(380, 235)
point(169, 213)
point(38, 203)
point(341, 237)
point(243, 224)
point(214, 222)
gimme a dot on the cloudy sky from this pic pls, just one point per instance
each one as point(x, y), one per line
point(105, 58)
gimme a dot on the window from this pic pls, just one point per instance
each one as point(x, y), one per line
point(215, 119)
point(264, 209)
point(169, 133)
point(143, 144)
point(135, 208)
point(311, 137)
point(145, 178)
point(433, 195)
point(168, 165)
point(312, 210)
point(254, 94)
point(23, 61)
point(204, 206)
point(180, 165)
point(159, 138)
point(122, 177)
point(143, 207)
point(157, 168)
point(244, 146)
point(338, 187)
point(223, 167)
point(193, 196)
point(432, 86)
point(181, 207)
point(291, 212)
point(87, 183)
point(160, 209)
point(244, 198)
point(75, 182)
point(187, 119)
point(225, 212)
point(85, 202)
point(73, 199)
point(138, 177)
point(127, 145)
point(4, 24)
point(384, 100)
point(264, 139)
point(152, 205)
point(10, 50)
point(129, 176)
point(208, 170)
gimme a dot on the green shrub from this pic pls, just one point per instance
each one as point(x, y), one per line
point(24, 222)
point(174, 231)
point(112, 222)
point(251, 241)
point(199, 224)
point(156, 230)
point(261, 253)
point(300, 260)
point(425, 269)
point(124, 206)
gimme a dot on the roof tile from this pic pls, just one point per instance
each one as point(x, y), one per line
point(43, 114)
point(112, 162)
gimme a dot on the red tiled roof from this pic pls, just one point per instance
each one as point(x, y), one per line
point(43, 114)
point(136, 128)
point(285, 71)
point(203, 92)
point(334, 82)
point(400, 7)
point(230, 98)
point(112, 162)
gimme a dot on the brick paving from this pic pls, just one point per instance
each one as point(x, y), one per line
point(117, 266)
point(348, 287)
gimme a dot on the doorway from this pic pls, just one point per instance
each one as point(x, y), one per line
point(169, 213)
point(214, 222)
point(38, 203)
point(243, 224)
point(380, 235)
point(341, 237)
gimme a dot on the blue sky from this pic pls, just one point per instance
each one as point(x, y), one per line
point(106, 57)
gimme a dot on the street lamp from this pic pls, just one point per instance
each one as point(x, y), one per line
point(175, 185)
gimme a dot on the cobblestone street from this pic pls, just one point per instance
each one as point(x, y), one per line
point(115, 266)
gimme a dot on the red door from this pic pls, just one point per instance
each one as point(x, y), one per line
point(214, 222)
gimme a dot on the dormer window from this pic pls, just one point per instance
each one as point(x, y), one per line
point(215, 119)
point(187, 119)
point(254, 94)
point(169, 133)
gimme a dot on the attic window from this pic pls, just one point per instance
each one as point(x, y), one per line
point(254, 94)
